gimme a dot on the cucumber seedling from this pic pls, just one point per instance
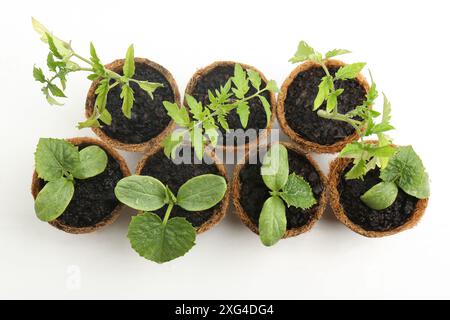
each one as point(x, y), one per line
point(59, 163)
point(63, 60)
point(285, 189)
point(162, 240)
point(201, 123)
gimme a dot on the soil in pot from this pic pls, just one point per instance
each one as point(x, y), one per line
point(149, 119)
point(174, 175)
point(298, 99)
point(253, 191)
point(94, 203)
point(216, 75)
point(360, 214)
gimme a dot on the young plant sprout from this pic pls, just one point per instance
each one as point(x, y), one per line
point(164, 240)
point(204, 122)
point(290, 188)
point(59, 163)
point(400, 167)
point(63, 60)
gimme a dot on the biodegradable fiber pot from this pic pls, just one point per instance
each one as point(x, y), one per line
point(94, 204)
point(217, 74)
point(295, 108)
point(149, 123)
point(156, 164)
point(250, 192)
point(403, 214)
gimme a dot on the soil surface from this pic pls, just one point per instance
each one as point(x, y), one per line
point(93, 200)
point(148, 116)
point(299, 104)
point(373, 220)
point(175, 175)
point(218, 77)
point(254, 192)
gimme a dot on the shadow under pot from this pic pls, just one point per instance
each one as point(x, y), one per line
point(403, 214)
point(174, 174)
point(295, 108)
point(217, 74)
point(149, 123)
point(250, 192)
point(94, 204)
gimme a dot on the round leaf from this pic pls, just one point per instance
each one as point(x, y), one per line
point(93, 161)
point(380, 196)
point(297, 192)
point(275, 167)
point(159, 242)
point(53, 199)
point(272, 221)
point(201, 192)
point(141, 193)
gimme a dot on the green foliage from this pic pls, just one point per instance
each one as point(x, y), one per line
point(201, 123)
point(164, 240)
point(291, 188)
point(62, 60)
point(381, 195)
point(58, 162)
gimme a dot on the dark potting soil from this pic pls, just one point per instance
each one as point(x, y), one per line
point(218, 77)
point(148, 116)
point(254, 192)
point(299, 104)
point(373, 220)
point(93, 200)
point(175, 175)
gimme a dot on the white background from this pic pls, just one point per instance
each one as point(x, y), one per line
point(406, 45)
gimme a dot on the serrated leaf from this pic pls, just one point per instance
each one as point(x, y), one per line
point(92, 122)
point(255, 79)
point(380, 127)
point(128, 66)
point(272, 86)
point(195, 107)
point(159, 242)
point(297, 192)
point(332, 100)
point(223, 122)
point(197, 141)
point(323, 93)
point(127, 96)
point(106, 117)
point(102, 95)
point(201, 192)
point(275, 167)
point(303, 53)
point(149, 87)
point(94, 57)
point(387, 108)
point(52, 46)
point(53, 199)
point(406, 169)
point(272, 221)
point(62, 47)
point(349, 71)
point(336, 52)
point(352, 150)
point(57, 92)
point(178, 114)
point(38, 75)
point(357, 171)
point(383, 151)
point(93, 161)
point(240, 81)
point(267, 109)
point(54, 157)
point(380, 196)
point(141, 192)
point(243, 110)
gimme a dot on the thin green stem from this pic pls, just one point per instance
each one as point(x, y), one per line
point(167, 214)
point(341, 117)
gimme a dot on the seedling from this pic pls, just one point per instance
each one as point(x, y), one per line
point(400, 167)
point(164, 240)
point(59, 163)
point(201, 123)
point(289, 189)
point(63, 60)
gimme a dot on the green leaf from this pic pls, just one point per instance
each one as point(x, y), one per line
point(179, 115)
point(92, 122)
point(357, 171)
point(128, 66)
point(336, 52)
point(254, 78)
point(297, 192)
point(275, 167)
point(195, 107)
point(349, 71)
point(380, 127)
point(272, 221)
point(352, 150)
point(406, 169)
point(150, 87)
point(38, 75)
point(380, 196)
point(93, 161)
point(63, 48)
point(170, 196)
point(387, 108)
point(304, 52)
point(57, 92)
point(201, 192)
point(171, 143)
point(53, 199)
point(141, 193)
point(243, 110)
point(267, 109)
point(196, 136)
point(127, 96)
point(159, 242)
point(102, 95)
point(383, 151)
point(240, 80)
point(272, 86)
point(223, 122)
point(323, 93)
point(211, 130)
point(52, 46)
point(332, 99)
point(54, 157)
